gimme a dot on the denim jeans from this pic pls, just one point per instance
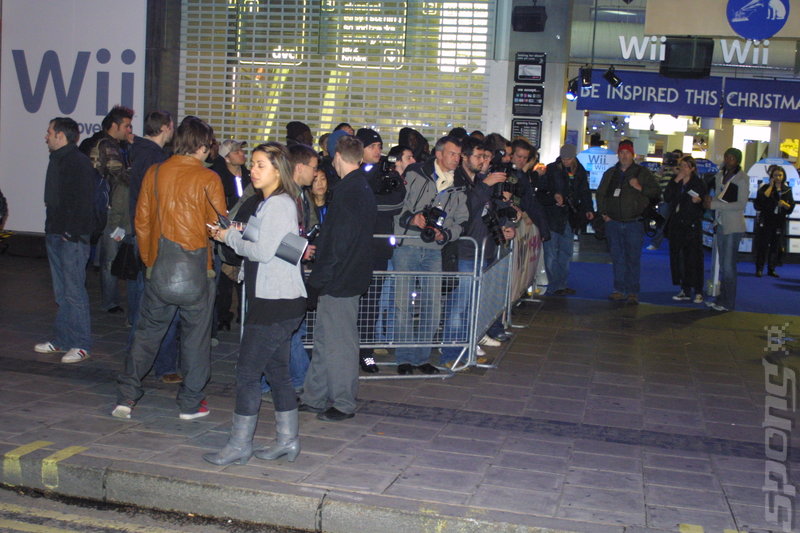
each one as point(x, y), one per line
point(72, 327)
point(625, 241)
point(384, 326)
point(728, 252)
point(427, 303)
point(109, 283)
point(557, 255)
point(456, 313)
point(298, 360)
point(265, 350)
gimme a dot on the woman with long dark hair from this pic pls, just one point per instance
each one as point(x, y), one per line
point(275, 296)
point(774, 202)
point(684, 194)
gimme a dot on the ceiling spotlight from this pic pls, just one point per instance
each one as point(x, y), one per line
point(586, 76)
point(612, 78)
point(572, 89)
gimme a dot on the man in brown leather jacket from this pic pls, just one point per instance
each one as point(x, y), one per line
point(178, 198)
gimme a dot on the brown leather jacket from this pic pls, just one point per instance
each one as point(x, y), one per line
point(185, 209)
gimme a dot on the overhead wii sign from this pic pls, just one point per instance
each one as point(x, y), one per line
point(367, 34)
point(74, 62)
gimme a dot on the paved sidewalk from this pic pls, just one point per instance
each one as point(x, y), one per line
point(600, 417)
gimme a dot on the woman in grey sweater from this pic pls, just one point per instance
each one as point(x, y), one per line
point(276, 304)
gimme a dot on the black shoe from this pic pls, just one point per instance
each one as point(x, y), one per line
point(773, 274)
point(334, 415)
point(758, 273)
point(224, 324)
point(115, 310)
point(502, 337)
point(309, 408)
point(428, 368)
point(368, 365)
point(405, 369)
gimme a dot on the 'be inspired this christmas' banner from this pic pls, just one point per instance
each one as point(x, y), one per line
point(648, 92)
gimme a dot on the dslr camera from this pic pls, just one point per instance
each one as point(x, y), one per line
point(511, 184)
point(390, 179)
point(492, 222)
point(434, 220)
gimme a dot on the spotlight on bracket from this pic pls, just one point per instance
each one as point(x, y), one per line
point(572, 89)
point(586, 76)
point(612, 78)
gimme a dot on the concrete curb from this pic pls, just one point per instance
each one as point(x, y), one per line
point(222, 495)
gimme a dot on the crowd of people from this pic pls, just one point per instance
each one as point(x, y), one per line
point(296, 231)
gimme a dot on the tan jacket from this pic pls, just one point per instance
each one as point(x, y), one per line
point(185, 209)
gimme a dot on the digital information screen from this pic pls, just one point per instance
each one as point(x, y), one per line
point(528, 101)
point(529, 67)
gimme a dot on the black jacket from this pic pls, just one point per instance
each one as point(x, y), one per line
point(531, 205)
point(229, 180)
point(684, 213)
point(771, 214)
point(143, 154)
point(389, 203)
point(343, 264)
point(479, 202)
point(574, 190)
point(68, 193)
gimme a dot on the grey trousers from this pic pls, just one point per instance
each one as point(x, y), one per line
point(332, 377)
point(155, 316)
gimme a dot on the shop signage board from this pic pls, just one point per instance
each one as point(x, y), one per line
point(528, 100)
point(531, 129)
point(62, 59)
point(648, 92)
point(529, 67)
point(762, 100)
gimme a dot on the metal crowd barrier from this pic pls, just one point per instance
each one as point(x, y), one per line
point(427, 297)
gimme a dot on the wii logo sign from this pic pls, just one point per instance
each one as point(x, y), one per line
point(68, 94)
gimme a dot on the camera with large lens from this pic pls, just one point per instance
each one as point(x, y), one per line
point(390, 179)
point(434, 220)
point(507, 212)
point(511, 184)
point(492, 221)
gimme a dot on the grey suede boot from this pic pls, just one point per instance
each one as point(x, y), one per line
point(287, 441)
point(240, 443)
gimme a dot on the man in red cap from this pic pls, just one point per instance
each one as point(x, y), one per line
point(625, 191)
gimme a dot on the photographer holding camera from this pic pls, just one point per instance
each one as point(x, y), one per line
point(564, 190)
point(490, 218)
point(435, 208)
point(624, 193)
point(389, 189)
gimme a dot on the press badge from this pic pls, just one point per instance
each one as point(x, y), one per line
point(617, 192)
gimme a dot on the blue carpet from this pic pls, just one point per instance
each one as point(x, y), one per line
point(759, 295)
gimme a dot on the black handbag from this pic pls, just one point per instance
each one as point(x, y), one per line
point(126, 264)
point(180, 276)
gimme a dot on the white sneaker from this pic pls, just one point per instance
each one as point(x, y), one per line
point(488, 341)
point(46, 347)
point(698, 298)
point(480, 352)
point(75, 355)
point(717, 307)
point(651, 247)
point(681, 297)
point(121, 411)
